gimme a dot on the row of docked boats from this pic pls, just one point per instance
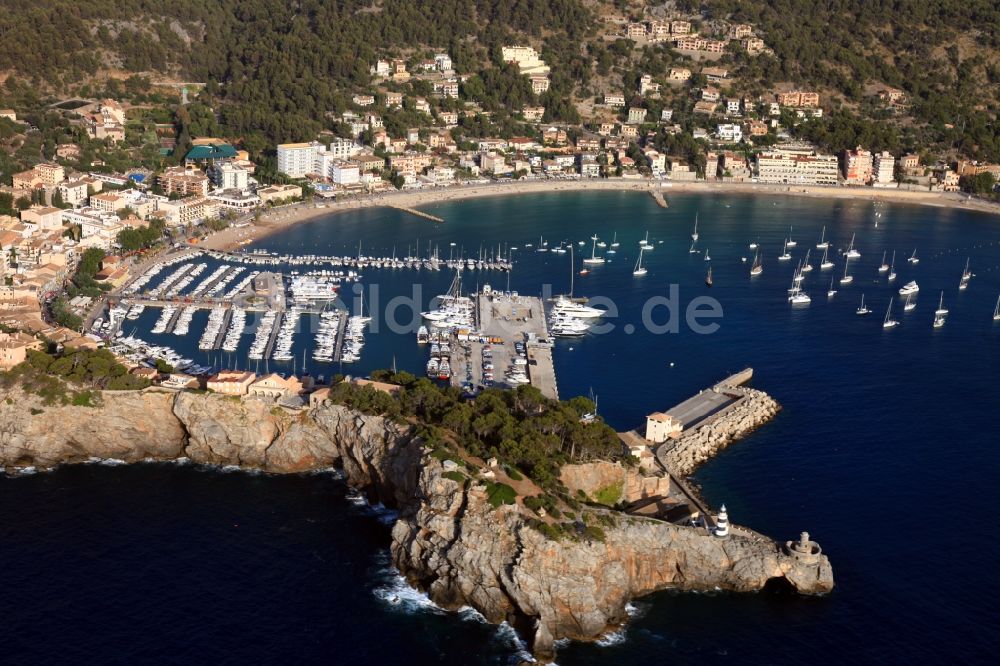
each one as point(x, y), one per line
point(439, 363)
point(140, 282)
point(258, 348)
point(140, 352)
point(485, 262)
point(286, 334)
point(216, 320)
point(354, 338)
point(326, 335)
point(571, 318)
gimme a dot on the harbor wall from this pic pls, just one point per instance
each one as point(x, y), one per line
point(751, 410)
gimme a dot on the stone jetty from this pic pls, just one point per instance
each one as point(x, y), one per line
point(749, 410)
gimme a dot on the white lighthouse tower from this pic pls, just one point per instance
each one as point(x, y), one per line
point(722, 523)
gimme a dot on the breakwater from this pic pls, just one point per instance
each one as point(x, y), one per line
point(747, 410)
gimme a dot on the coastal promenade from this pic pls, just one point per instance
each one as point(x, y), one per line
point(274, 220)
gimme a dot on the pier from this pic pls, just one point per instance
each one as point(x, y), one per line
point(269, 349)
point(418, 213)
point(226, 318)
point(173, 320)
point(501, 321)
point(338, 345)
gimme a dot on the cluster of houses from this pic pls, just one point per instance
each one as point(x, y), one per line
point(684, 36)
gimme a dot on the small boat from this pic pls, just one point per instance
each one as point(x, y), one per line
point(694, 235)
point(910, 287)
point(790, 242)
point(996, 310)
point(938, 321)
point(940, 308)
point(614, 241)
point(909, 304)
point(757, 268)
point(784, 256)
point(584, 271)
point(831, 292)
point(913, 257)
point(863, 310)
point(884, 268)
point(708, 278)
point(847, 279)
point(707, 258)
point(966, 276)
point(892, 267)
point(825, 263)
point(753, 245)
point(889, 322)
point(822, 244)
point(639, 268)
point(593, 258)
point(851, 252)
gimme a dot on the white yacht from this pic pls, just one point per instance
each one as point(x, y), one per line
point(941, 310)
point(883, 267)
point(565, 305)
point(790, 242)
point(909, 304)
point(910, 287)
point(847, 279)
point(913, 257)
point(863, 310)
point(831, 292)
point(784, 256)
point(806, 266)
point(593, 258)
point(966, 276)
point(822, 244)
point(851, 251)
point(614, 241)
point(889, 322)
point(826, 263)
point(639, 268)
point(645, 244)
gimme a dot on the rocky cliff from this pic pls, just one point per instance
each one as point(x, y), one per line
point(448, 539)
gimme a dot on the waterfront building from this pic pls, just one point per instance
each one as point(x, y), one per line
point(884, 169)
point(660, 427)
point(796, 166)
point(231, 382)
point(295, 160)
point(857, 166)
point(278, 193)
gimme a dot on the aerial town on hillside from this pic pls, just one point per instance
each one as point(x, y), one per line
point(205, 183)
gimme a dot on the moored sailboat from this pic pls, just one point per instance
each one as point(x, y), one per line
point(863, 309)
point(889, 322)
point(639, 268)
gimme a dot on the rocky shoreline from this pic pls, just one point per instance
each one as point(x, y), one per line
point(448, 539)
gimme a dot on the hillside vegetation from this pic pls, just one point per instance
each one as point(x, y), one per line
point(279, 70)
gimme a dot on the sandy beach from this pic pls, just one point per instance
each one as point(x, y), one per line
point(274, 220)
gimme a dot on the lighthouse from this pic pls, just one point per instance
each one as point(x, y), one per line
point(722, 523)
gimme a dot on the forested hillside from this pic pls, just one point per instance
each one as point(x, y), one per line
point(277, 68)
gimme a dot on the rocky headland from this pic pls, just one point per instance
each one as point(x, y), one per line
point(449, 539)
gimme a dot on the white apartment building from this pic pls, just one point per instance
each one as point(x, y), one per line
point(797, 168)
point(884, 170)
point(295, 160)
point(229, 176)
point(345, 173)
point(729, 132)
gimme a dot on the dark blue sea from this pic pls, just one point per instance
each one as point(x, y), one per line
point(885, 451)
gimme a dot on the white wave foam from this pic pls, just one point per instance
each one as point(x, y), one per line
point(612, 638)
point(111, 462)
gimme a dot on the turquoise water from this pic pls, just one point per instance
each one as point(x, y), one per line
point(884, 451)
